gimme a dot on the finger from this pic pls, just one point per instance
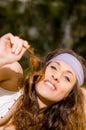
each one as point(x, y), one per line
point(9, 36)
point(18, 56)
point(14, 40)
point(25, 44)
point(14, 47)
point(17, 45)
point(18, 49)
point(22, 52)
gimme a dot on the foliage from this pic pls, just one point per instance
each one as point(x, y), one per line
point(46, 24)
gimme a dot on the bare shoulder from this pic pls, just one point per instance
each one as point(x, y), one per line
point(10, 75)
point(15, 66)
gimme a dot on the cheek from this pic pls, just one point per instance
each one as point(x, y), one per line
point(60, 95)
point(66, 86)
point(65, 90)
point(39, 87)
point(48, 70)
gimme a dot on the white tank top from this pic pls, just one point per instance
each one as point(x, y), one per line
point(7, 99)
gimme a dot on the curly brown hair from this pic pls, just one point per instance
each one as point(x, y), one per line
point(67, 114)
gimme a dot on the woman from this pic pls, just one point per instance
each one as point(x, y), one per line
point(12, 49)
point(52, 98)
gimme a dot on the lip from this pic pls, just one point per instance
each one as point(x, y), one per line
point(50, 84)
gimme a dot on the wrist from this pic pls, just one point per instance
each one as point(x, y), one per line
point(3, 61)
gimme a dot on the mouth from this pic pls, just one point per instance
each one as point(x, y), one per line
point(49, 84)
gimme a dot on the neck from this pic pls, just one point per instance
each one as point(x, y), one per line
point(42, 105)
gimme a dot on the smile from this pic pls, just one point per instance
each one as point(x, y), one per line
point(49, 84)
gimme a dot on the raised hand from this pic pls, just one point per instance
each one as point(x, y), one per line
point(11, 48)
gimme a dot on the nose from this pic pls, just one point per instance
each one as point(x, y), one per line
point(56, 77)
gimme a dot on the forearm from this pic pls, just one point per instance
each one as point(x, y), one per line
point(5, 60)
point(2, 62)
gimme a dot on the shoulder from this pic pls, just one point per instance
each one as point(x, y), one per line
point(11, 70)
point(10, 76)
point(15, 66)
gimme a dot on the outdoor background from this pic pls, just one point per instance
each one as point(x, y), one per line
point(46, 24)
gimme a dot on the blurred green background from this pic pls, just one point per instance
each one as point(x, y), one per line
point(46, 24)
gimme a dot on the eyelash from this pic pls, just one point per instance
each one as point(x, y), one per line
point(67, 78)
point(53, 67)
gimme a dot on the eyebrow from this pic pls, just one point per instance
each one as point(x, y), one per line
point(66, 70)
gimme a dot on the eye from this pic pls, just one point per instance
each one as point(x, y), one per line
point(53, 67)
point(67, 78)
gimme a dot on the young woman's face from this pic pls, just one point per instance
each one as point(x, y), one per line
point(58, 81)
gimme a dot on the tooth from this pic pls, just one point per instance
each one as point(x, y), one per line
point(50, 85)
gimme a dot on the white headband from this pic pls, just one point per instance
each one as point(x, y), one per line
point(74, 63)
